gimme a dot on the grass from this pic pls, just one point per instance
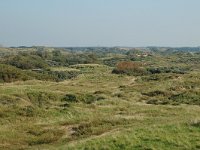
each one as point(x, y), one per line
point(64, 69)
point(100, 110)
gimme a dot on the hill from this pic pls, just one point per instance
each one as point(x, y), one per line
point(113, 100)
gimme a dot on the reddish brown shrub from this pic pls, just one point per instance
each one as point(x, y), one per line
point(128, 65)
point(129, 68)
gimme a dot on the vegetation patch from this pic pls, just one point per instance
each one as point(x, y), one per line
point(177, 70)
point(8, 100)
point(129, 68)
point(63, 75)
point(44, 136)
point(42, 99)
point(195, 123)
point(191, 97)
point(26, 61)
point(10, 74)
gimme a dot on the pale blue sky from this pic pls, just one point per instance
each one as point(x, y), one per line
point(100, 22)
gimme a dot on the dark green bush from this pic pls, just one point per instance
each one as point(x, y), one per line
point(70, 98)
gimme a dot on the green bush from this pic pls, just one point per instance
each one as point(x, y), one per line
point(69, 98)
point(63, 75)
point(10, 74)
point(90, 98)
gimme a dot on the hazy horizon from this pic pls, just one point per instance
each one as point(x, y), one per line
point(96, 23)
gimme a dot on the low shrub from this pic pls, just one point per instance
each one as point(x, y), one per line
point(70, 98)
point(177, 70)
point(129, 68)
point(10, 74)
point(63, 75)
point(189, 97)
point(90, 98)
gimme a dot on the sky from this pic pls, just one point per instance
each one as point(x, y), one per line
point(131, 23)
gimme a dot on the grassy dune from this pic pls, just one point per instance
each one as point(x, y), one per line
point(100, 110)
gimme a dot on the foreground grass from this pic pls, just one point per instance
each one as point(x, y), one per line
point(111, 112)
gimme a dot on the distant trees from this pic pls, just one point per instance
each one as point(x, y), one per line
point(10, 73)
point(137, 69)
point(26, 61)
point(87, 58)
point(113, 61)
